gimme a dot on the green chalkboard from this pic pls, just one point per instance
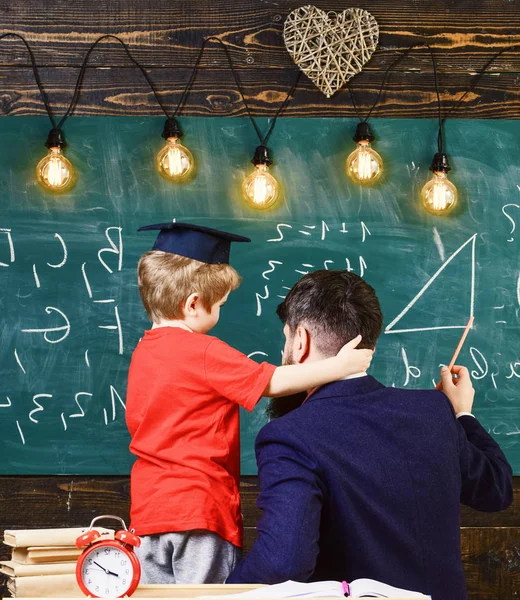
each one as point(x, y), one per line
point(70, 312)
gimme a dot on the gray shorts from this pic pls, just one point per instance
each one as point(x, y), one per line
point(196, 556)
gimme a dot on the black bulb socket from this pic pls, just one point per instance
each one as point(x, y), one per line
point(55, 139)
point(262, 157)
point(440, 163)
point(171, 129)
point(363, 133)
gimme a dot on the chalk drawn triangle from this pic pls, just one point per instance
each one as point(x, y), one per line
point(390, 328)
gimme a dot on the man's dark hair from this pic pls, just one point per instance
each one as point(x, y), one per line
point(335, 307)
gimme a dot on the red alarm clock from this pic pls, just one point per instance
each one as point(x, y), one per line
point(108, 568)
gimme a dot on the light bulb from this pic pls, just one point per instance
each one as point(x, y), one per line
point(54, 172)
point(439, 196)
point(260, 188)
point(364, 165)
point(175, 162)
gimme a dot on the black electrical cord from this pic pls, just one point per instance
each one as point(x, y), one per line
point(440, 140)
point(35, 73)
point(79, 82)
point(56, 133)
point(262, 138)
point(392, 65)
point(479, 77)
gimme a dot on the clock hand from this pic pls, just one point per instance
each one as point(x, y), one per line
point(107, 571)
point(111, 573)
point(101, 567)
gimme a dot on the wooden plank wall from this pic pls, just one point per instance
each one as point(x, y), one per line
point(164, 35)
point(490, 542)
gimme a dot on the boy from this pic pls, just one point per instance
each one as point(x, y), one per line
point(184, 393)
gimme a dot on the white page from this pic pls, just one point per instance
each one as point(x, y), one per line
point(290, 589)
point(371, 587)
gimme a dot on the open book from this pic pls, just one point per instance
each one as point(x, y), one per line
point(359, 588)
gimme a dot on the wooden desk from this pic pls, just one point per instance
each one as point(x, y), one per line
point(192, 591)
point(181, 592)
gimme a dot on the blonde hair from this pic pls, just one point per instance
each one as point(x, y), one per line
point(166, 280)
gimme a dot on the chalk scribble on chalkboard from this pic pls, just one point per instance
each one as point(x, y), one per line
point(272, 267)
point(390, 327)
point(85, 278)
point(304, 268)
point(22, 437)
point(364, 231)
point(514, 372)
point(113, 249)
point(307, 266)
point(17, 358)
point(482, 367)
point(257, 353)
point(280, 232)
point(307, 227)
point(11, 247)
point(76, 400)
point(7, 404)
point(513, 222)
point(65, 256)
point(65, 328)
point(439, 244)
point(39, 407)
point(36, 278)
point(410, 370)
point(117, 326)
point(259, 297)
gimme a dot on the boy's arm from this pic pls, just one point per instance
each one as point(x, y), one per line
point(244, 381)
point(290, 379)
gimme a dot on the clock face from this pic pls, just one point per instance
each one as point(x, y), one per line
point(108, 571)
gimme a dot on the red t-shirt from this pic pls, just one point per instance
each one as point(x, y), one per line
point(182, 411)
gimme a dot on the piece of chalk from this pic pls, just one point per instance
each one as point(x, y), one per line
point(461, 343)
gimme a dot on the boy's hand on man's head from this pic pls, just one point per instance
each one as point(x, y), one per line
point(459, 389)
point(353, 360)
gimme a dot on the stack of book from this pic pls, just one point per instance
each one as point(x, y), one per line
point(43, 561)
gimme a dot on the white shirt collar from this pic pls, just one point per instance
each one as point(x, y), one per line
point(354, 376)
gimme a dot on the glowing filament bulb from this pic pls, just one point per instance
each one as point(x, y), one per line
point(260, 188)
point(364, 165)
point(54, 172)
point(439, 195)
point(175, 162)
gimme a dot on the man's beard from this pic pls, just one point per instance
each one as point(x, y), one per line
point(278, 407)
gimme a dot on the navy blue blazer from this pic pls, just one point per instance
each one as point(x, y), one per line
point(366, 481)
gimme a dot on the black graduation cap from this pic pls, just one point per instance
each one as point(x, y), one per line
point(194, 241)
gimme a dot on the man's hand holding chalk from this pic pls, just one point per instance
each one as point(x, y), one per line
point(460, 390)
point(457, 351)
point(455, 380)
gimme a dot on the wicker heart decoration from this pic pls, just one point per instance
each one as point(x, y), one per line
point(330, 48)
